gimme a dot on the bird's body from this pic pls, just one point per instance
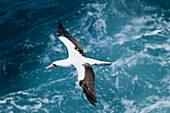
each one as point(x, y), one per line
point(77, 59)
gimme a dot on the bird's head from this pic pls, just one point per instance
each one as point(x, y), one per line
point(54, 64)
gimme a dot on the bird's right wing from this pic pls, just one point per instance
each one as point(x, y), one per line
point(88, 83)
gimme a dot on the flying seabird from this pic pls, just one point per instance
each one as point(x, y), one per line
point(77, 59)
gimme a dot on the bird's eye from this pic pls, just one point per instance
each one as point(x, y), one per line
point(54, 65)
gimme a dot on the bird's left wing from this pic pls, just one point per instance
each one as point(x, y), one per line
point(87, 82)
point(72, 44)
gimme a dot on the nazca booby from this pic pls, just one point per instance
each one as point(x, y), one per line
point(77, 59)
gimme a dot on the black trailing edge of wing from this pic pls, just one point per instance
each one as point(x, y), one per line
point(61, 31)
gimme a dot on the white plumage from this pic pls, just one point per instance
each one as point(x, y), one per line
point(77, 59)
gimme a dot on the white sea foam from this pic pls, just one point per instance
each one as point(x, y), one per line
point(90, 13)
point(152, 103)
point(117, 83)
point(138, 21)
point(150, 33)
point(28, 46)
point(54, 46)
point(52, 37)
point(138, 58)
point(130, 108)
point(157, 105)
point(127, 61)
point(5, 100)
point(106, 107)
point(100, 22)
point(23, 93)
point(58, 48)
point(60, 98)
point(100, 26)
point(24, 107)
point(122, 38)
point(45, 59)
point(135, 79)
point(157, 46)
point(132, 31)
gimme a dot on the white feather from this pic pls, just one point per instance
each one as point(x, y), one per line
point(76, 59)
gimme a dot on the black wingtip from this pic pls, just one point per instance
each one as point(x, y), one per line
point(59, 24)
point(61, 31)
point(94, 104)
point(92, 100)
point(60, 28)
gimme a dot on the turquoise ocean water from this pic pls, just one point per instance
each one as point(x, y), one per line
point(132, 34)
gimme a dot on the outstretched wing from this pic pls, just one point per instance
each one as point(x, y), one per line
point(88, 83)
point(72, 44)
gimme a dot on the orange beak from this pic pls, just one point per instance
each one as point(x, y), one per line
point(50, 66)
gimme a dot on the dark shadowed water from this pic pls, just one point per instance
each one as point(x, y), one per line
point(133, 35)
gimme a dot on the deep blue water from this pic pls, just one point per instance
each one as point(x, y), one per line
point(134, 35)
